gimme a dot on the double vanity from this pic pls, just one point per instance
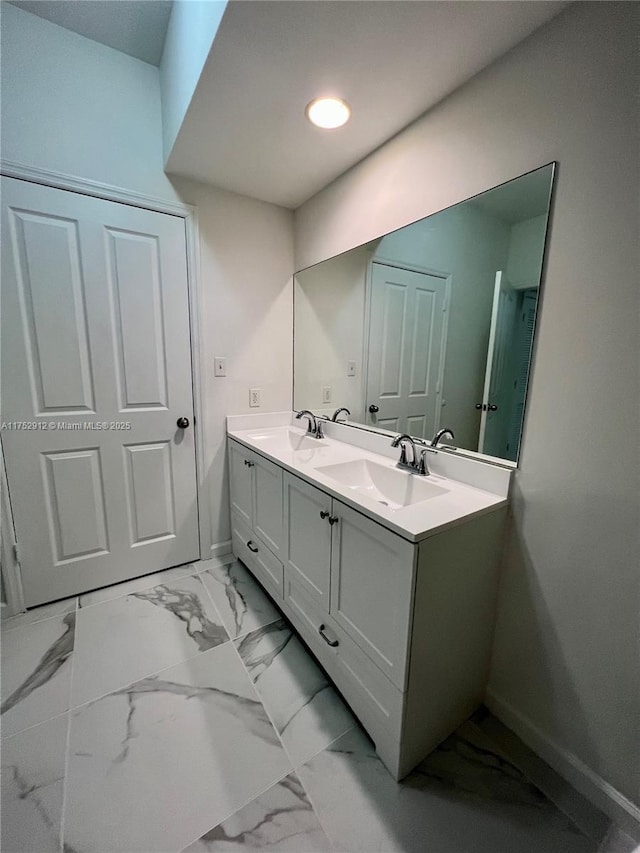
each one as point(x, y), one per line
point(388, 576)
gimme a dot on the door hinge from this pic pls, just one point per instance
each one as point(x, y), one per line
point(16, 552)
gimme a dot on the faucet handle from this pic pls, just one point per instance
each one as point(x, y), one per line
point(422, 467)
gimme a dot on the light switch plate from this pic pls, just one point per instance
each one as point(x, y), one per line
point(219, 366)
point(326, 394)
point(351, 368)
point(254, 398)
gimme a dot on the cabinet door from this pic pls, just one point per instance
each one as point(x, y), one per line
point(371, 589)
point(267, 502)
point(241, 481)
point(307, 537)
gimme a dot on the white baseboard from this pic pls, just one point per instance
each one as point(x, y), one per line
point(585, 780)
point(221, 549)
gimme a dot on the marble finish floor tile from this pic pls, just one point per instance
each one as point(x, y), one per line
point(157, 763)
point(33, 764)
point(464, 797)
point(36, 672)
point(240, 600)
point(122, 640)
point(38, 614)
point(282, 819)
point(117, 590)
point(307, 712)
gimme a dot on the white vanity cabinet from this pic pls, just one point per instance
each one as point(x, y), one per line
point(403, 628)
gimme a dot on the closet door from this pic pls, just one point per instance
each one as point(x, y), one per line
point(96, 373)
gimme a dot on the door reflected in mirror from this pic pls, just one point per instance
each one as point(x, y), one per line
point(431, 326)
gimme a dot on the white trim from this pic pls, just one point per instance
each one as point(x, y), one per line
point(62, 181)
point(591, 785)
point(221, 549)
point(9, 565)
point(85, 186)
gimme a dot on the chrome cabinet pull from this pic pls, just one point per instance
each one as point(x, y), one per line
point(324, 513)
point(332, 643)
point(251, 546)
point(333, 519)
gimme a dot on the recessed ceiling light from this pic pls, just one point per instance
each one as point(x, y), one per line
point(328, 113)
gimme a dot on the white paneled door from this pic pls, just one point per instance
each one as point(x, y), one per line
point(96, 373)
point(406, 350)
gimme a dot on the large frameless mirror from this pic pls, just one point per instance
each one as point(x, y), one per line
point(432, 325)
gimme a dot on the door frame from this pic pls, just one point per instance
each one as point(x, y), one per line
point(447, 276)
point(61, 181)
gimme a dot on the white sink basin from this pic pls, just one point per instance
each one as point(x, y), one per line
point(286, 438)
point(390, 487)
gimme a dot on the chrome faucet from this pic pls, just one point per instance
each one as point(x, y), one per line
point(315, 425)
point(422, 465)
point(402, 440)
point(441, 432)
point(334, 416)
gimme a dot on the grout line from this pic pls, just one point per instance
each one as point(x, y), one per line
point(258, 628)
point(73, 707)
point(148, 675)
point(152, 585)
point(261, 700)
point(314, 808)
point(320, 751)
point(190, 571)
point(268, 715)
point(243, 806)
point(8, 627)
point(67, 748)
point(293, 764)
point(4, 738)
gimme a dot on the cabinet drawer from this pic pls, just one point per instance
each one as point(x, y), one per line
point(375, 700)
point(258, 558)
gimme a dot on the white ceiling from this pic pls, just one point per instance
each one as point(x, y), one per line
point(245, 129)
point(136, 27)
point(524, 198)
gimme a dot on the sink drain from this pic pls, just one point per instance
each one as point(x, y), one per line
point(384, 503)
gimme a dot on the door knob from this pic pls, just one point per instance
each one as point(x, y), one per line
point(373, 409)
point(324, 513)
point(182, 423)
point(492, 407)
point(479, 406)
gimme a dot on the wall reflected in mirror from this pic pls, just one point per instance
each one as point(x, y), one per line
point(432, 325)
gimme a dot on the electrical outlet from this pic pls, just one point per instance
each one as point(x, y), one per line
point(254, 397)
point(326, 394)
point(219, 366)
point(351, 368)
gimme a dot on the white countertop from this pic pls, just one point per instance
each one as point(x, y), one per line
point(453, 503)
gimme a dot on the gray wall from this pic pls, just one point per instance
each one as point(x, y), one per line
point(565, 667)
